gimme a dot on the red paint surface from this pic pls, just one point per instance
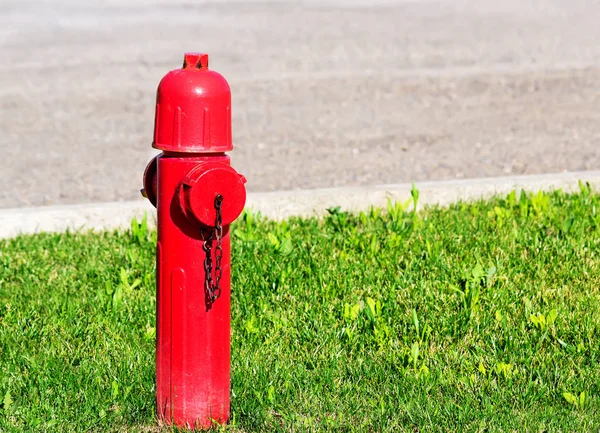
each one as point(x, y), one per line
point(193, 109)
point(192, 334)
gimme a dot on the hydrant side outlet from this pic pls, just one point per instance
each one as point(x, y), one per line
point(197, 194)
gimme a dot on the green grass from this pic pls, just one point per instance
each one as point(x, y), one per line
point(477, 317)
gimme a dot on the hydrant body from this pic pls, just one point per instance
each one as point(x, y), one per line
point(197, 195)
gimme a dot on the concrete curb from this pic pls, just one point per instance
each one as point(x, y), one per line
point(284, 204)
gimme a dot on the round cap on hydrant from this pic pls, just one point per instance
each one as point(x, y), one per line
point(201, 186)
point(193, 109)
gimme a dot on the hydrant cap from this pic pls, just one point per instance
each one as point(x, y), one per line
point(193, 109)
point(201, 186)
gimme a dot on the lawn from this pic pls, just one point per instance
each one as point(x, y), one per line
point(482, 316)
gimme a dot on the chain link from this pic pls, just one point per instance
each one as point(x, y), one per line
point(213, 286)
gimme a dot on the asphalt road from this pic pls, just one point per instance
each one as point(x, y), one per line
point(325, 93)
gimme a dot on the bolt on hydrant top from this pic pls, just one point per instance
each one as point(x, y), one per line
point(193, 109)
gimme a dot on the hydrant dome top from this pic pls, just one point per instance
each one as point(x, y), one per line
point(193, 109)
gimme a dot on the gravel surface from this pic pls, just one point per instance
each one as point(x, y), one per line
point(325, 93)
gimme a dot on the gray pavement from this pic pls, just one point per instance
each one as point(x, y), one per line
point(325, 93)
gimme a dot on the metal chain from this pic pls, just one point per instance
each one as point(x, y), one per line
point(213, 286)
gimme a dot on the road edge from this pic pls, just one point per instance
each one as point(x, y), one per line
point(284, 204)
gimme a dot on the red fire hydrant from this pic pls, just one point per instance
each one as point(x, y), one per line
point(197, 195)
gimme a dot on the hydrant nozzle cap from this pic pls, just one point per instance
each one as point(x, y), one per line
point(195, 61)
